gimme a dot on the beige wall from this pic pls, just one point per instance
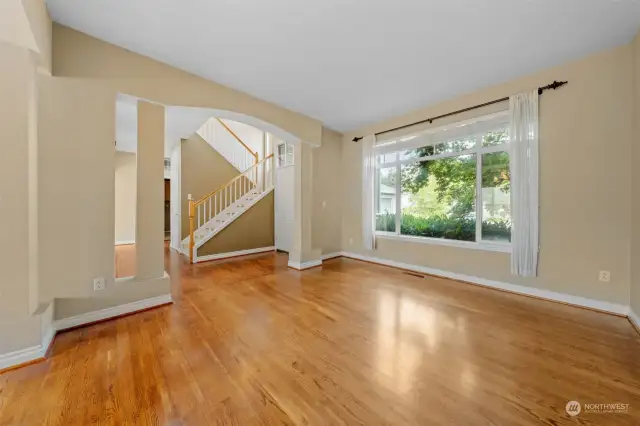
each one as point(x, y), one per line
point(202, 170)
point(21, 324)
point(125, 196)
point(80, 56)
point(150, 192)
point(79, 100)
point(253, 229)
point(41, 27)
point(18, 328)
point(76, 175)
point(635, 165)
point(585, 182)
point(15, 28)
point(327, 193)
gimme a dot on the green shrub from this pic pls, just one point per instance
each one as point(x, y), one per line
point(441, 226)
point(496, 229)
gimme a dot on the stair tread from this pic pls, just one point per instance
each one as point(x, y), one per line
point(214, 225)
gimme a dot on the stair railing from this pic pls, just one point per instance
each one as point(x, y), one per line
point(257, 178)
point(249, 153)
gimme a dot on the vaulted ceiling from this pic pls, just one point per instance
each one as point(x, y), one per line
point(349, 63)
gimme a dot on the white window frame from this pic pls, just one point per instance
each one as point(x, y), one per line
point(478, 150)
point(287, 158)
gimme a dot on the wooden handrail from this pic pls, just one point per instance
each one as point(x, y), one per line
point(255, 154)
point(203, 199)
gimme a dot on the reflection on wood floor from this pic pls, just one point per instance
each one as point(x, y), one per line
point(125, 260)
point(249, 341)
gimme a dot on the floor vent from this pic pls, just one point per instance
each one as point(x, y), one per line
point(413, 274)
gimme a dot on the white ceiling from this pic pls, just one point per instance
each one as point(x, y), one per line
point(353, 62)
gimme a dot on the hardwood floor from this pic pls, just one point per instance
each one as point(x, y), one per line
point(250, 341)
point(125, 260)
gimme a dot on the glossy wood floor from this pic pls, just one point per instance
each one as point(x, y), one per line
point(251, 342)
point(125, 258)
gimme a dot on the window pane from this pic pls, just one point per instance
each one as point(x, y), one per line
point(447, 147)
point(496, 202)
point(495, 138)
point(425, 151)
point(387, 158)
point(455, 145)
point(281, 155)
point(386, 200)
point(439, 198)
point(289, 154)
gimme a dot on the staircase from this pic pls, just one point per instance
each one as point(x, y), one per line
point(219, 135)
point(212, 213)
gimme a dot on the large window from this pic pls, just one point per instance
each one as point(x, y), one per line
point(449, 185)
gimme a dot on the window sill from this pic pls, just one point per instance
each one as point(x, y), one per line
point(485, 245)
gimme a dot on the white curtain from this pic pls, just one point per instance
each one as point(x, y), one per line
point(523, 139)
point(368, 195)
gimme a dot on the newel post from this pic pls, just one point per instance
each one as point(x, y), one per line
point(191, 227)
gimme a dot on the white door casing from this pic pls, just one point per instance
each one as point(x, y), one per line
point(284, 214)
point(176, 201)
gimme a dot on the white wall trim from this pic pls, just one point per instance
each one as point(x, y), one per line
point(125, 242)
point(103, 314)
point(218, 256)
point(514, 288)
point(473, 245)
point(304, 265)
point(48, 329)
point(331, 255)
point(31, 353)
point(635, 319)
point(22, 356)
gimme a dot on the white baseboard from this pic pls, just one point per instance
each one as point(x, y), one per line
point(32, 353)
point(107, 313)
point(331, 255)
point(125, 242)
point(48, 330)
point(514, 288)
point(635, 319)
point(22, 356)
point(304, 265)
point(233, 254)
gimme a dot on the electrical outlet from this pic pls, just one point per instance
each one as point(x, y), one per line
point(604, 276)
point(350, 241)
point(99, 284)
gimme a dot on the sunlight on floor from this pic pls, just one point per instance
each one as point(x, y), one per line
point(125, 259)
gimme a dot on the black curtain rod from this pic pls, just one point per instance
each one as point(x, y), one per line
point(553, 86)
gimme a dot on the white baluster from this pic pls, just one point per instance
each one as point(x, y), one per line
point(199, 205)
point(210, 211)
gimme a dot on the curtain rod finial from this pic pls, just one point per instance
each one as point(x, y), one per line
point(357, 139)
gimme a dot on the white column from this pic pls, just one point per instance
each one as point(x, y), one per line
point(303, 255)
point(150, 192)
